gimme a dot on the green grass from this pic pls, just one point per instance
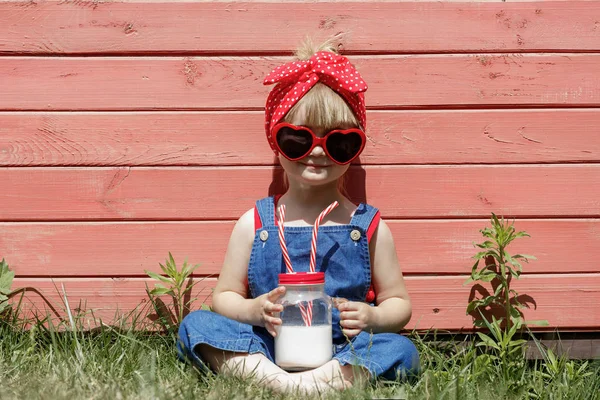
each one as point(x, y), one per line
point(54, 362)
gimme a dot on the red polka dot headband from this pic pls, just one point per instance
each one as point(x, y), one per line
point(296, 78)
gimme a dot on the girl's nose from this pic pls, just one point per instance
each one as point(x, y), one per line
point(317, 152)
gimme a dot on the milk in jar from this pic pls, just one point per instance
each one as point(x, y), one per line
point(304, 340)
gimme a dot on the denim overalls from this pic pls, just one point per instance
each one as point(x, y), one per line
point(343, 254)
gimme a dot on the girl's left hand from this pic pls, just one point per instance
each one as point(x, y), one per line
point(355, 317)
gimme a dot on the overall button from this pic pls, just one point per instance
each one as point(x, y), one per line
point(355, 235)
point(264, 235)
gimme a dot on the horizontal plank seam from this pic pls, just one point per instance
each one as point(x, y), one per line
point(257, 111)
point(228, 165)
point(435, 107)
point(211, 277)
point(224, 221)
point(162, 54)
point(392, 218)
point(244, 166)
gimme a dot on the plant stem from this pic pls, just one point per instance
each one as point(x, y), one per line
point(506, 288)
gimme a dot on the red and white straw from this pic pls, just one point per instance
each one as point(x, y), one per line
point(313, 243)
point(284, 250)
point(305, 310)
point(313, 258)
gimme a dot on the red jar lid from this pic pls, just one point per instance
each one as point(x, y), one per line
point(302, 278)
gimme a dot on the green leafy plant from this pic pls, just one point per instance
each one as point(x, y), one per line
point(499, 268)
point(499, 310)
point(178, 285)
point(6, 280)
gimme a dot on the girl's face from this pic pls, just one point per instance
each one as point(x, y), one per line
point(316, 168)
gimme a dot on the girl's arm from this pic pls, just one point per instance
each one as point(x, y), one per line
point(393, 309)
point(230, 297)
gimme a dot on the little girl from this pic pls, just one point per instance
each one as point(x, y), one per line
point(315, 121)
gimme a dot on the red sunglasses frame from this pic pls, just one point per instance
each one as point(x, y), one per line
point(318, 141)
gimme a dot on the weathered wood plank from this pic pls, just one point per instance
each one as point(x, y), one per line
point(150, 83)
point(423, 246)
point(96, 300)
point(216, 27)
point(570, 348)
point(438, 302)
point(202, 193)
point(237, 138)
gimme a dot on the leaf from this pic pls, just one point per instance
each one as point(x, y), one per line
point(171, 263)
point(486, 245)
point(471, 306)
point(481, 255)
point(498, 290)
point(487, 341)
point(518, 342)
point(6, 277)
point(159, 291)
point(158, 277)
point(487, 276)
point(522, 234)
point(487, 301)
point(525, 257)
point(487, 232)
point(538, 322)
point(507, 256)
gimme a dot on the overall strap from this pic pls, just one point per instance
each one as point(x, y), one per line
point(366, 217)
point(264, 213)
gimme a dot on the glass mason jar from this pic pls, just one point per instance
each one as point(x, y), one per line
point(304, 339)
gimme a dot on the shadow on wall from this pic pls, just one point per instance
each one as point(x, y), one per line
point(497, 309)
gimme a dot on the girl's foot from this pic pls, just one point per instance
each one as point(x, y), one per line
point(323, 379)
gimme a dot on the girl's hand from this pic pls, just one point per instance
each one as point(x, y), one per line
point(267, 307)
point(355, 317)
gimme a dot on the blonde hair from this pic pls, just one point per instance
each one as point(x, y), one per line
point(321, 106)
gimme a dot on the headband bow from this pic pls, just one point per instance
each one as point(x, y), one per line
point(296, 78)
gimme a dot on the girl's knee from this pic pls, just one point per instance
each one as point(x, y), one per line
point(409, 360)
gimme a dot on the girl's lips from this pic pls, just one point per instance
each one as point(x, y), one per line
point(316, 165)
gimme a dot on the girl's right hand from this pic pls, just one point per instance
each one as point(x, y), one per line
point(267, 307)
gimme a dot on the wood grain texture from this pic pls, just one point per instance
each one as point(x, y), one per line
point(237, 138)
point(199, 193)
point(566, 301)
point(96, 301)
point(423, 246)
point(52, 27)
point(149, 83)
point(438, 302)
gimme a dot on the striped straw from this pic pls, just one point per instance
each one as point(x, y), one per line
point(313, 243)
point(284, 250)
point(306, 311)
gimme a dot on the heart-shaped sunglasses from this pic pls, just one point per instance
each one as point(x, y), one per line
point(296, 142)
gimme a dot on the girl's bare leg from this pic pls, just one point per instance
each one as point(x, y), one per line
point(253, 366)
point(332, 375)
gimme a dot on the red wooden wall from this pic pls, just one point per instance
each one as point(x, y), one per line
point(131, 129)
